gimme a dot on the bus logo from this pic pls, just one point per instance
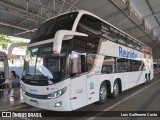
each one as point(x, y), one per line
point(127, 54)
point(33, 90)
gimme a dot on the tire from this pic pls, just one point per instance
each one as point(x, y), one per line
point(102, 93)
point(147, 79)
point(115, 90)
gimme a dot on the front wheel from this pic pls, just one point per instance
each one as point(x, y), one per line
point(102, 93)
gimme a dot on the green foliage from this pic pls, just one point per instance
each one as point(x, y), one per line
point(4, 40)
point(20, 41)
point(23, 47)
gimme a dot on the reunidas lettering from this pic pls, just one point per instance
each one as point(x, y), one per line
point(127, 54)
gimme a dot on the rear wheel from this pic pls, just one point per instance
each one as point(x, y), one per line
point(115, 90)
point(102, 93)
point(147, 78)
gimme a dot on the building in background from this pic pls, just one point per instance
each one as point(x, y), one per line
point(17, 57)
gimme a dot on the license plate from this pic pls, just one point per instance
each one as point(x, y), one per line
point(34, 102)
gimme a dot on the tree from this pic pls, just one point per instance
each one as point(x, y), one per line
point(21, 41)
point(4, 40)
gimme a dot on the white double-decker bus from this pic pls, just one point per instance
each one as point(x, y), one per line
point(76, 59)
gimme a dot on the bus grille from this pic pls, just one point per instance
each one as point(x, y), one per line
point(36, 96)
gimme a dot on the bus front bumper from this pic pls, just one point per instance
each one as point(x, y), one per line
point(61, 103)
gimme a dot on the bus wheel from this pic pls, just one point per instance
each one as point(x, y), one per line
point(102, 93)
point(147, 79)
point(115, 90)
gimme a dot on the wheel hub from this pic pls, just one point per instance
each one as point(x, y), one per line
point(103, 92)
point(115, 87)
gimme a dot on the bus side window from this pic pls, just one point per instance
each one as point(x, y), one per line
point(90, 61)
point(83, 63)
point(136, 65)
point(90, 24)
point(108, 65)
point(122, 65)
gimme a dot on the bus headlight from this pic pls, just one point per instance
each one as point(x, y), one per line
point(57, 93)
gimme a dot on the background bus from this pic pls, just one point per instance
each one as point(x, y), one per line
point(76, 59)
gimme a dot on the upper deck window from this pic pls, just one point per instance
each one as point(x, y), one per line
point(92, 27)
point(90, 24)
point(48, 29)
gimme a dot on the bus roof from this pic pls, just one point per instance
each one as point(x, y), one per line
point(91, 14)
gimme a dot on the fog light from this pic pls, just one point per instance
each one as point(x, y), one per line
point(57, 104)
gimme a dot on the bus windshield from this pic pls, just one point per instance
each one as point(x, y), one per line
point(48, 29)
point(41, 63)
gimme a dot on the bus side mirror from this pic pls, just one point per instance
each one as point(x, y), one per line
point(63, 35)
point(78, 64)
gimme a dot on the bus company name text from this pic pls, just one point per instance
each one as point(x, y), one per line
point(126, 54)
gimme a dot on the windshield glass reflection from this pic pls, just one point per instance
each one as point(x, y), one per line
point(41, 62)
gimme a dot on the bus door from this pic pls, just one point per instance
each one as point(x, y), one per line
point(78, 94)
point(123, 72)
point(136, 74)
point(94, 63)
